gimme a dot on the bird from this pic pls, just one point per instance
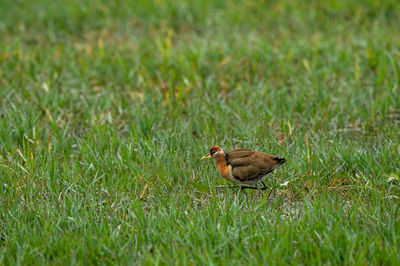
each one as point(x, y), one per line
point(244, 166)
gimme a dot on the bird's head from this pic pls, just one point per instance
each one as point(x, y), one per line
point(215, 152)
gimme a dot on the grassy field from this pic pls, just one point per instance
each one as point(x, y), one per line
point(107, 106)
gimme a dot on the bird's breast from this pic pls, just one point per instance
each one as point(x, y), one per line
point(226, 171)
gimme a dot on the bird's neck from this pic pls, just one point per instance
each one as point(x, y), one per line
point(221, 161)
point(223, 168)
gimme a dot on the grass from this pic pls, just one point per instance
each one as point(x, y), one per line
point(106, 108)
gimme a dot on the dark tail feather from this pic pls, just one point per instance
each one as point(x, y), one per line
point(280, 160)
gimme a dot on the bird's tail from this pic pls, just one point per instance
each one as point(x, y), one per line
point(280, 160)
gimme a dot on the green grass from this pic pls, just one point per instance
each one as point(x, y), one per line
point(107, 106)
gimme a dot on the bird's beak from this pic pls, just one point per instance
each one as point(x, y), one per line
point(205, 157)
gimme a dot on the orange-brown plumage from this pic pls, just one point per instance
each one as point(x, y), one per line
point(243, 165)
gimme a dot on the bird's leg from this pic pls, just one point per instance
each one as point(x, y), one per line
point(242, 188)
point(236, 188)
point(248, 187)
point(227, 186)
point(264, 185)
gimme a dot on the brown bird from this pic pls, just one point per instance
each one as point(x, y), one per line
point(244, 166)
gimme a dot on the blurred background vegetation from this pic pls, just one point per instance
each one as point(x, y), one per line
point(305, 61)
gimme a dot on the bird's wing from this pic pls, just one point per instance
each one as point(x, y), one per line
point(239, 157)
point(250, 165)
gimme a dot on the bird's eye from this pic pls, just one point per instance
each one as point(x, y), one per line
point(212, 152)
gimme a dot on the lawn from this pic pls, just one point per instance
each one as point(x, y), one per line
point(106, 108)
